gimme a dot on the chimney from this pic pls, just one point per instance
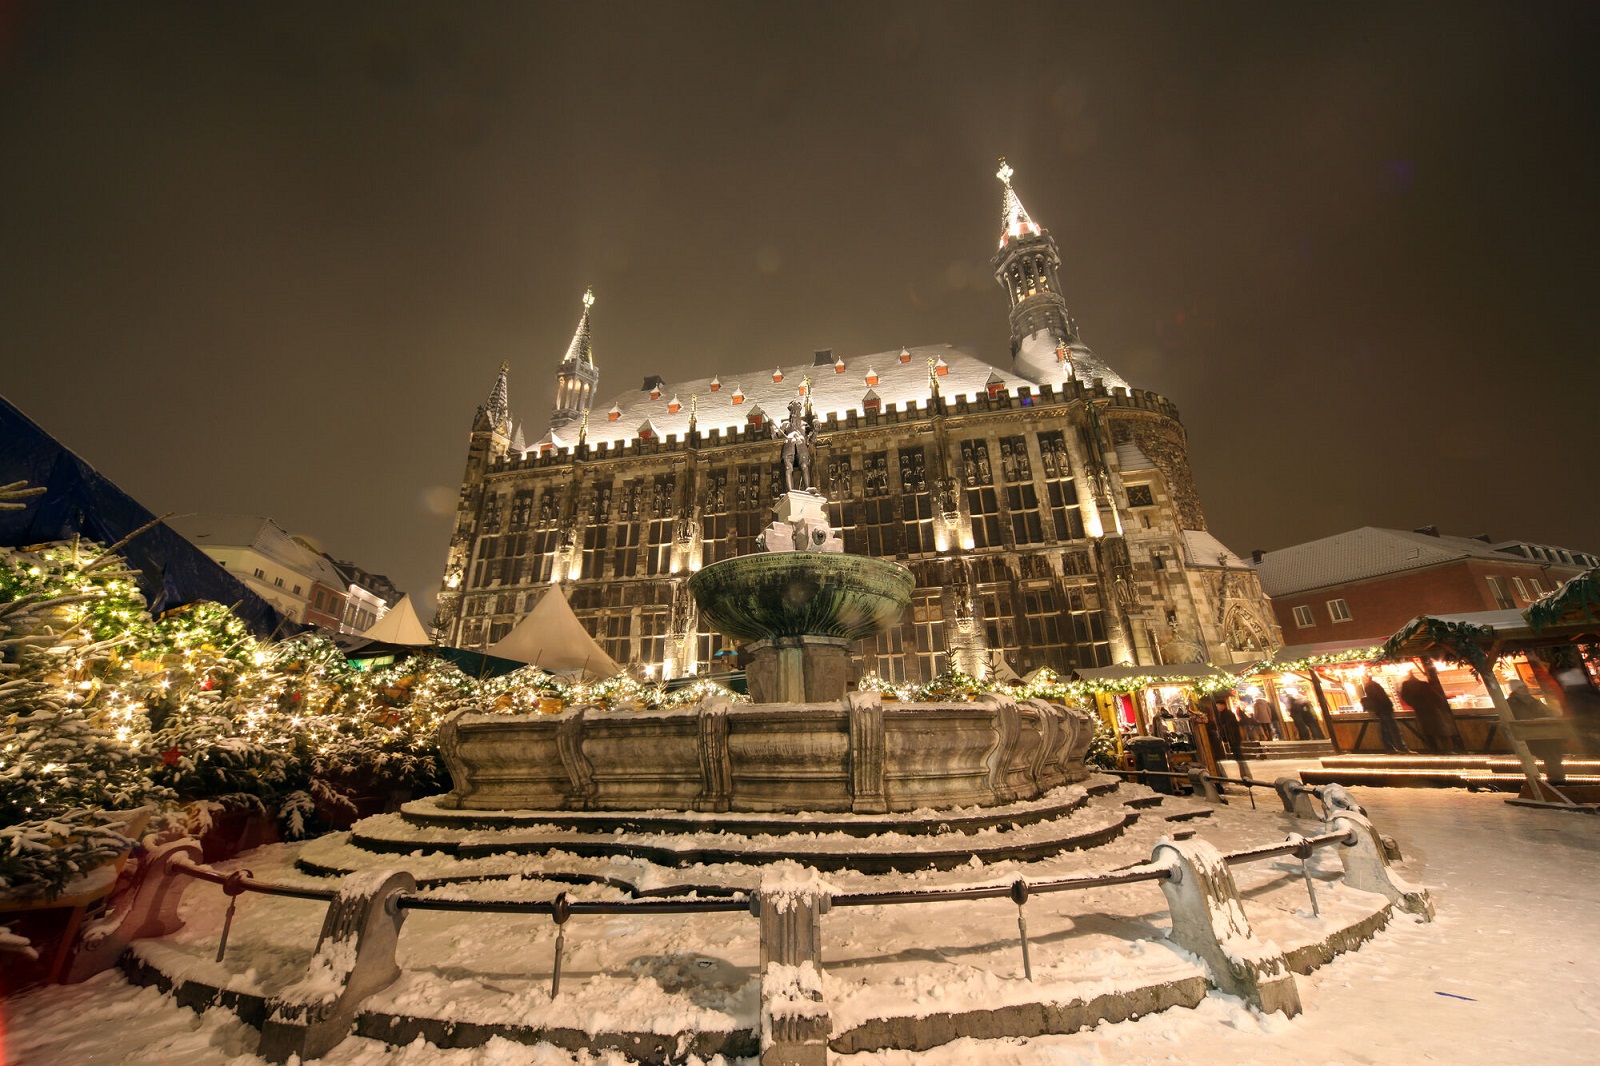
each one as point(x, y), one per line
point(1255, 556)
point(822, 357)
point(1427, 531)
point(654, 381)
point(1485, 538)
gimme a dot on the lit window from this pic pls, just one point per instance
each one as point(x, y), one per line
point(1338, 610)
point(1303, 617)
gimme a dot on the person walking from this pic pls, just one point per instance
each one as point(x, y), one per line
point(1377, 703)
point(1305, 719)
point(1433, 712)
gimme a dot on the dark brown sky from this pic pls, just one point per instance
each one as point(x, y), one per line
point(267, 258)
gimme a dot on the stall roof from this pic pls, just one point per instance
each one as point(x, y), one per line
point(1295, 652)
point(1172, 671)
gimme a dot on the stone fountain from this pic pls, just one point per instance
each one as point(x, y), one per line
point(806, 744)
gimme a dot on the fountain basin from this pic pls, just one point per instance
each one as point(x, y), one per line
point(798, 613)
point(853, 755)
point(802, 594)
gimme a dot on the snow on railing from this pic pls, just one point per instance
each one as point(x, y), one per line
point(356, 947)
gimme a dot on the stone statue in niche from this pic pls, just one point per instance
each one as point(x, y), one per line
point(799, 437)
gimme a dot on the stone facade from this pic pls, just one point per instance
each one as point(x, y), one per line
point(1046, 510)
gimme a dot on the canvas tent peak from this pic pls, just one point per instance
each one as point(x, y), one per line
point(552, 638)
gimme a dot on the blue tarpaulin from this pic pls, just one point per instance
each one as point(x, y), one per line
point(80, 501)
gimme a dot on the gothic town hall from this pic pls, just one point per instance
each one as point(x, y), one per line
point(1044, 504)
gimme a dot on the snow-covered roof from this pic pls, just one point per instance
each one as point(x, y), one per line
point(1363, 553)
point(840, 385)
point(1131, 457)
point(1201, 549)
point(260, 533)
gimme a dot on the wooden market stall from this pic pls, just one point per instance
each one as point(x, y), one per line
point(1131, 699)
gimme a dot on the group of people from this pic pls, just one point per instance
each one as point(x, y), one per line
point(1435, 720)
point(1255, 719)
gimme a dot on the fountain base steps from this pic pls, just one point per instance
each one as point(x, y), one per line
point(1069, 819)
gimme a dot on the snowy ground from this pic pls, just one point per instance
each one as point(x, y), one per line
point(1510, 971)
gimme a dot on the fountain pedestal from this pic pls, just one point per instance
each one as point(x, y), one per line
point(803, 669)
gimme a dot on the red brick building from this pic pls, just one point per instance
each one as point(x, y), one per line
point(1368, 582)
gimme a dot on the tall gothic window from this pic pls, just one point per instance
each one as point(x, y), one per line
point(916, 501)
point(1059, 487)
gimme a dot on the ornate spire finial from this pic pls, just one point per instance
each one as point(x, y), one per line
point(1014, 220)
point(579, 351)
point(583, 428)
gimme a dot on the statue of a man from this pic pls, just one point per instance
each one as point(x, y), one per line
point(798, 437)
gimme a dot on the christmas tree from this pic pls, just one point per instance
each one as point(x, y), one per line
point(71, 743)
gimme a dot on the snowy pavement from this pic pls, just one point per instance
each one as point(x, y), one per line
point(1509, 972)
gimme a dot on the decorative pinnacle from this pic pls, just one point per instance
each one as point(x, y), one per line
point(1005, 171)
point(588, 293)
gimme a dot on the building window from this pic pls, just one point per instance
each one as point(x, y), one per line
point(1338, 610)
point(278, 581)
point(916, 502)
point(297, 590)
point(1303, 617)
point(985, 511)
point(1538, 588)
point(260, 573)
point(1522, 590)
point(1497, 589)
point(1140, 496)
point(1023, 503)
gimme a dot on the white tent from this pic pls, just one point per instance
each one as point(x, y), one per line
point(551, 638)
point(399, 625)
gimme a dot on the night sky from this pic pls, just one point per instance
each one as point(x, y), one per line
point(267, 259)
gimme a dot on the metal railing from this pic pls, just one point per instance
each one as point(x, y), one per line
point(561, 908)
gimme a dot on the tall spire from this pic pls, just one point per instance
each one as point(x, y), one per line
point(577, 376)
point(1045, 346)
point(1014, 220)
point(579, 351)
point(498, 409)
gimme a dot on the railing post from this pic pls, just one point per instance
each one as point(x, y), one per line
point(795, 1024)
point(1366, 866)
point(1203, 784)
point(1296, 800)
point(153, 911)
point(354, 958)
point(1209, 920)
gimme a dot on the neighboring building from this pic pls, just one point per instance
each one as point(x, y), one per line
point(289, 571)
point(1369, 582)
point(1046, 509)
point(367, 597)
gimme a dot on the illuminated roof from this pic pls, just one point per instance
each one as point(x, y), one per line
point(904, 384)
point(1014, 220)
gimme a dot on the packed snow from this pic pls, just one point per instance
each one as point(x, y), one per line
point(1508, 972)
